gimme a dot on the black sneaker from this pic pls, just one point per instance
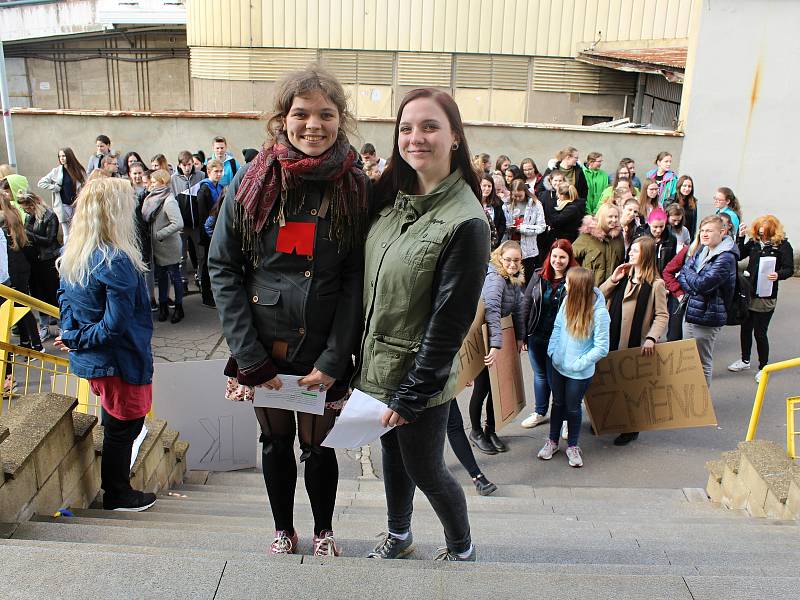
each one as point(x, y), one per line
point(170, 302)
point(392, 547)
point(483, 485)
point(444, 554)
point(134, 501)
point(153, 305)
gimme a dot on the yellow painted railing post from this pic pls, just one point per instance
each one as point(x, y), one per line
point(762, 389)
point(83, 395)
point(792, 406)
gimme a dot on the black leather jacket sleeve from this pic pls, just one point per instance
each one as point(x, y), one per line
point(456, 292)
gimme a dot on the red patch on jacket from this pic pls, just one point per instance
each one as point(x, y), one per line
point(296, 238)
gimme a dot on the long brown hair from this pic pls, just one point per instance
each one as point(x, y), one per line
point(647, 258)
point(13, 224)
point(689, 201)
point(644, 201)
point(73, 167)
point(519, 185)
point(579, 304)
point(399, 175)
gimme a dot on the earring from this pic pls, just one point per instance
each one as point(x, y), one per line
point(455, 146)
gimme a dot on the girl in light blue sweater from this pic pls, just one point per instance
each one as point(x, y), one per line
point(580, 339)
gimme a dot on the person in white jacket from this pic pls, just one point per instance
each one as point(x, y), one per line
point(528, 223)
point(65, 182)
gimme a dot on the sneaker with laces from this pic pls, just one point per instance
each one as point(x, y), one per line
point(133, 501)
point(550, 447)
point(445, 554)
point(758, 376)
point(564, 431)
point(739, 365)
point(574, 456)
point(392, 547)
point(325, 545)
point(283, 543)
point(534, 420)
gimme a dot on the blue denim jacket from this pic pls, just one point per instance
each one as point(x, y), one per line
point(107, 323)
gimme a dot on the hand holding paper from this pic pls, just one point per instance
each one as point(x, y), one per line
point(359, 424)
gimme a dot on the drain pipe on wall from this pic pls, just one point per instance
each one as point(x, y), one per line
point(6, 104)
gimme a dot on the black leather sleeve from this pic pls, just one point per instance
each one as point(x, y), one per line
point(456, 292)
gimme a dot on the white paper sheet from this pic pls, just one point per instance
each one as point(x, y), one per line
point(291, 396)
point(137, 443)
point(763, 285)
point(359, 424)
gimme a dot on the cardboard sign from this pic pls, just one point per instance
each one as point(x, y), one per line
point(631, 392)
point(470, 356)
point(505, 375)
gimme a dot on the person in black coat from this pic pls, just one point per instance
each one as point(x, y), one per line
point(566, 215)
point(493, 207)
point(766, 239)
point(41, 225)
point(666, 242)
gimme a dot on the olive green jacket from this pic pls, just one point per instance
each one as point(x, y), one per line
point(425, 264)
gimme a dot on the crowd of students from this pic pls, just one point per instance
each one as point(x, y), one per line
point(359, 272)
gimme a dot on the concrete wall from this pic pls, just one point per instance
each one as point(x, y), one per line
point(742, 125)
point(38, 137)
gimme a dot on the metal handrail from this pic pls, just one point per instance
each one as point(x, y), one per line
point(29, 301)
point(762, 388)
point(29, 361)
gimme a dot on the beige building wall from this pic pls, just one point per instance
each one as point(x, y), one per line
point(140, 71)
point(38, 137)
point(505, 61)
point(521, 27)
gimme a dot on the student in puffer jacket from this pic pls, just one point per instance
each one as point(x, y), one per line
point(502, 296)
point(709, 278)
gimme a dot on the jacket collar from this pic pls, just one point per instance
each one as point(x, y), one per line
point(706, 254)
point(422, 203)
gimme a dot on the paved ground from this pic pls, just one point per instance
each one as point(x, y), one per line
point(673, 458)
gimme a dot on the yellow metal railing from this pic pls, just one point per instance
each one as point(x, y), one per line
point(759, 401)
point(792, 408)
point(27, 371)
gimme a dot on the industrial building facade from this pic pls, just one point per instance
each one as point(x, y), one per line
point(517, 61)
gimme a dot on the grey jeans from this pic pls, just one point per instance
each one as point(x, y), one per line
point(413, 456)
point(705, 337)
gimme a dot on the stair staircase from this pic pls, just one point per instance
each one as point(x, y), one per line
point(207, 538)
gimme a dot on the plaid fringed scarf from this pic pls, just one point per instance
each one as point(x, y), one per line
point(276, 176)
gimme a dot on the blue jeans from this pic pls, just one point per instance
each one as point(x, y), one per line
point(567, 396)
point(537, 352)
point(163, 276)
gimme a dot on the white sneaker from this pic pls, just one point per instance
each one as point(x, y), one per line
point(534, 420)
point(739, 365)
point(758, 376)
point(547, 451)
point(564, 431)
point(574, 456)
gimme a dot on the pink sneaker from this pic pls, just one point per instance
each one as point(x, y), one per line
point(283, 543)
point(325, 545)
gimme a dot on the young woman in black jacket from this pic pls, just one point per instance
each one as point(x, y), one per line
point(493, 207)
point(540, 304)
point(41, 225)
point(767, 239)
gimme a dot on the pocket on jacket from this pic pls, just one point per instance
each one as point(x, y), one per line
point(391, 360)
point(424, 254)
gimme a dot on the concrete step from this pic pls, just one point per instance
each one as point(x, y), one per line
point(261, 561)
point(617, 527)
point(555, 549)
point(544, 532)
point(157, 576)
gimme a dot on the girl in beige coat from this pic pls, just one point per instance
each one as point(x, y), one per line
point(637, 302)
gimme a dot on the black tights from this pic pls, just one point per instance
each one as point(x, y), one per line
point(756, 324)
point(459, 442)
point(280, 469)
point(481, 390)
